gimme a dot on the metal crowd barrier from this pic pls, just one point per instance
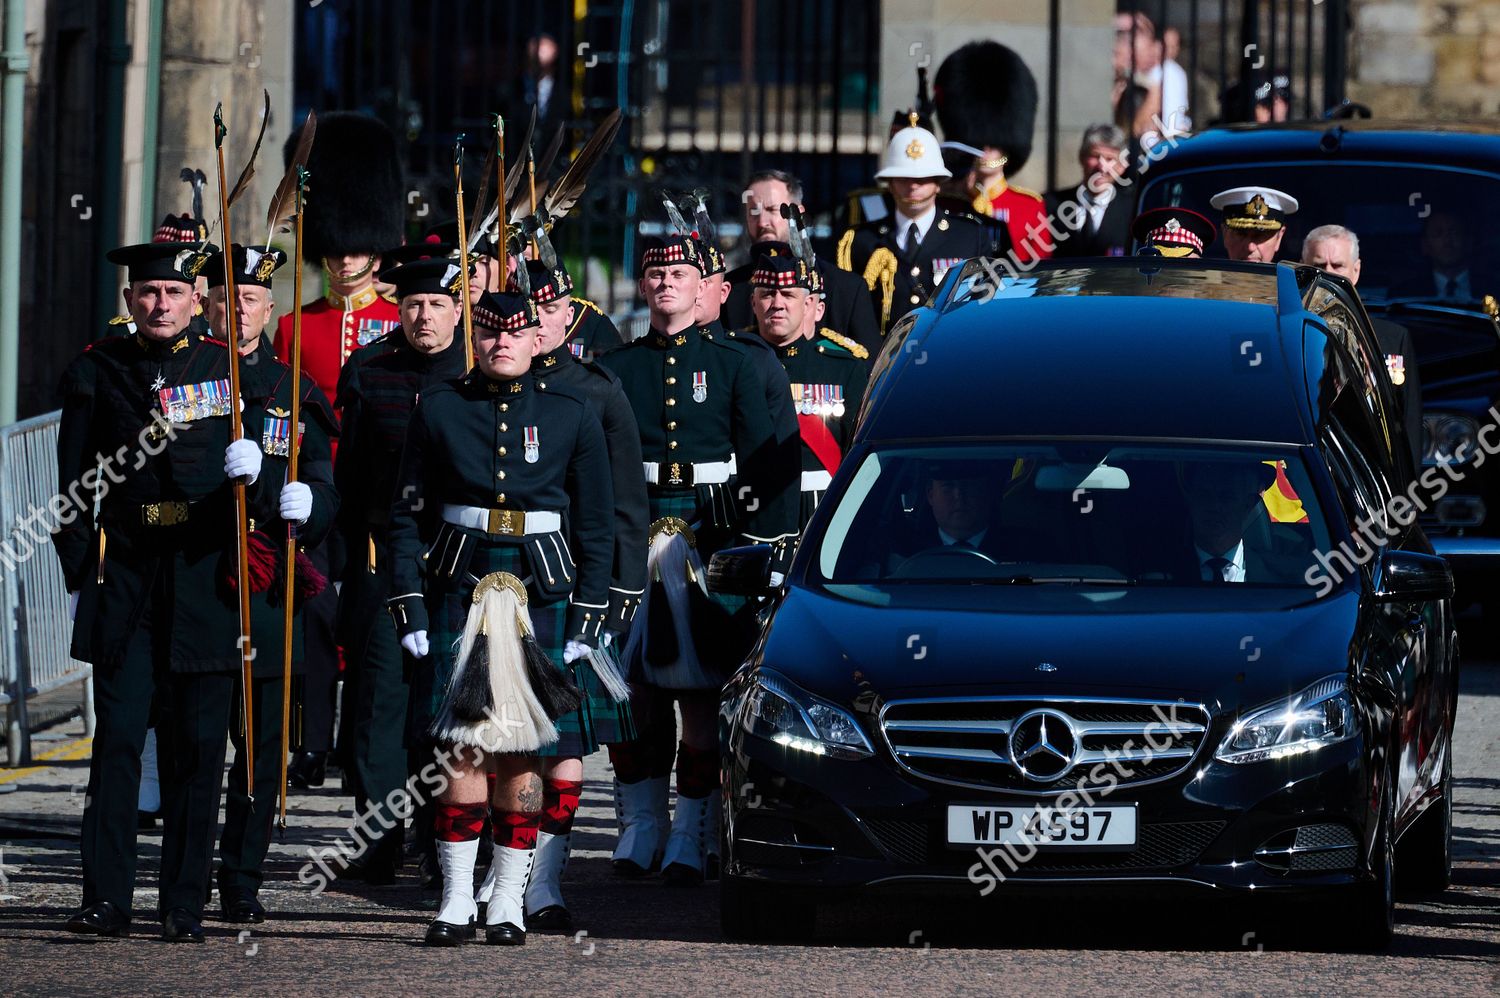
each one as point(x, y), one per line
point(35, 629)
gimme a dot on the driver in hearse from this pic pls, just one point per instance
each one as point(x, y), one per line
point(962, 498)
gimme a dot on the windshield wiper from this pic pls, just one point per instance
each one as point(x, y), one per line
point(1030, 580)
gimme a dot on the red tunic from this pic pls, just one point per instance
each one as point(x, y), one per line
point(1019, 209)
point(332, 329)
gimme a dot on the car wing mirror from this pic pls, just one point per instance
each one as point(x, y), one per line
point(741, 571)
point(1410, 576)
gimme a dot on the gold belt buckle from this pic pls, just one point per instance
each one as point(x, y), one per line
point(164, 514)
point(674, 474)
point(507, 521)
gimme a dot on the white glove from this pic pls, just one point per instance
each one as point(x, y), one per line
point(606, 639)
point(777, 578)
point(242, 460)
point(73, 605)
point(296, 502)
point(415, 644)
point(573, 651)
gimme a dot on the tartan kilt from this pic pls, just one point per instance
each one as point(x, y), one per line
point(688, 505)
point(599, 719)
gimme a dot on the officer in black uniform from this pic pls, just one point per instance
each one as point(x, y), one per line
point(311, 503)
point(145, 420)
point(847, 300)
point(505, 488)
point(904, 256)
point(827, 371)
point(378, 388)
point(711, 463)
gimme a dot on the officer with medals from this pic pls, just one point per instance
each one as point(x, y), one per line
point(501, 545)
point(847, 299)
point(1335, 249)
point(903, 258)
point(1172, 232)
point(377, 392)
point(602, 718)
point(1254, 221)
point(827, 372)
point(711, 464)
point(145, 419)
point(986, 99)
point(311, 503)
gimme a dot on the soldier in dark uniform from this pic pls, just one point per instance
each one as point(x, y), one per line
point(357, 208)
point(502, 533)
point(153, 611)
point(848, 300)
point(903, 258)
point(827, 371)
point(601, 719)
point(710, 459)
point(311, 503)
point(377, 391)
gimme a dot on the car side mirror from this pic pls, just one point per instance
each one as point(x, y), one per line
point(741, 571)
point(1410, 576)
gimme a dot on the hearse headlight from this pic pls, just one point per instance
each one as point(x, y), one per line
point(779, 711)
point(1319, 716)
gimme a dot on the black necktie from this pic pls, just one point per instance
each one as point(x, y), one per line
point(963, 544)
point(1217, 567)
point(1452, 288)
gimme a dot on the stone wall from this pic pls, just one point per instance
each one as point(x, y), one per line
point(1426, 59)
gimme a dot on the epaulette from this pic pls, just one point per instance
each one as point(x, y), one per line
point(561, 391)
point(390, 298)
point(587, 304)
point(120, 320)
point(844, 258)
point(1026, 191)
point(852, 346)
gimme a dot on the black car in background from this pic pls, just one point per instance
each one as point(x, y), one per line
point(1070, 696)
point(1388, 182)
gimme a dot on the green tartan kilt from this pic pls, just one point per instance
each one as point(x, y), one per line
point(689, 505)
point(598, 721)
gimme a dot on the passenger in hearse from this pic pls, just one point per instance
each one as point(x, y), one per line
point(1232, 536)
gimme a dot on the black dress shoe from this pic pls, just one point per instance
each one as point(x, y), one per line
point(241, 907)
point(505, 934)
point(102, 919)
point(180, 926)
point(681, 875)
point(307, 770)
point(448, 934)
point(553, 918)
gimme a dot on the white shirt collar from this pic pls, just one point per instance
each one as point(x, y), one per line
point(974, 540)
point(924, 222)
point(1101, 199)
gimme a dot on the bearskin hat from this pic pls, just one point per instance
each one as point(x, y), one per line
point(986, 96)
point(356, 200)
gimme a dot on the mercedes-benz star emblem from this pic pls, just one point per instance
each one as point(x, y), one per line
point(1042, 745)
